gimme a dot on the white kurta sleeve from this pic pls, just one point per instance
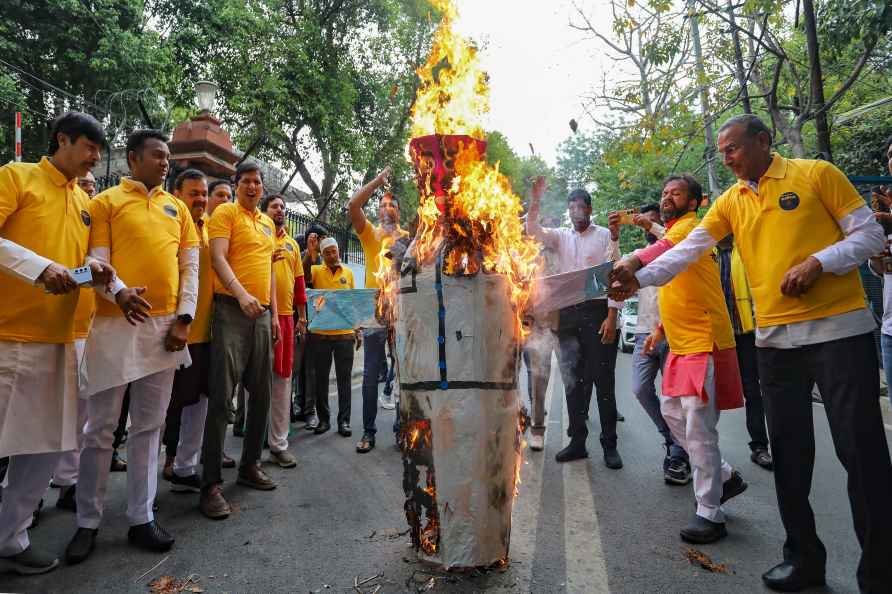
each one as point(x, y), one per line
point(188, 298)
point(21, 262)
point(668, 265)
point(863, 238)
point(102, 254)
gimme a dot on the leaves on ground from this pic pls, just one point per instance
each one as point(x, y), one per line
point(700, 558)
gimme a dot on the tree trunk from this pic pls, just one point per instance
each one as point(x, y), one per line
point(738, 62)
point(816, 80)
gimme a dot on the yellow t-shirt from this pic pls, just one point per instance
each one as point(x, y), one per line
point(323, 278)
point(144, 232)
point(692, 305)
point(42, 211)
point(793, 215)
point(84, 313)
point(374, 240)
point(287, 269)
point(200, 329)
point(251, 238)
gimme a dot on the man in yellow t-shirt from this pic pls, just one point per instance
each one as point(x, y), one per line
point(700, 375)
point(44, 232)
point(802, 230)
point(184, 421)
point(148, 235)
point(291, 298)
point(244, 327)
point(375, 240)
point(326, 345)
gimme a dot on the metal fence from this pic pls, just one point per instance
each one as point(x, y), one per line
point(351, 250)
point(104, 182)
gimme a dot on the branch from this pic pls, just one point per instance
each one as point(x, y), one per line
point(299, 162)
point(856, 73)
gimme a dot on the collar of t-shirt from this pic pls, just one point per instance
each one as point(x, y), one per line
point(131, 185)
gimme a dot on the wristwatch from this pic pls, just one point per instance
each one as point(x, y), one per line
point(184, 318)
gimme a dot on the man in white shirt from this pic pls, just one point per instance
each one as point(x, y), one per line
point(881, 265)
point(646, 365)
point(587, 331)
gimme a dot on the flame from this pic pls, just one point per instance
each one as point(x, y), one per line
point(477, 224)
point(453, 97)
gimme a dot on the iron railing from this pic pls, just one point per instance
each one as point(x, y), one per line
point(348, 244)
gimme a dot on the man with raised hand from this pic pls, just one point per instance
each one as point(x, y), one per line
point(44, 232)
point(290, 295)
point(148, 235)
point(374, 239)
point(586, 331)
point(243, 330)
point(802, 230)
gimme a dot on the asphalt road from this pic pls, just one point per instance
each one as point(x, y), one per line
point(578, 527)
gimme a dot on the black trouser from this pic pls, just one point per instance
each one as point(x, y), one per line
point(121, 429)
point(752, 391)
point(189, 383)
point(585, 361)
point(847, 374)
point(241, 350)
point(304, 376)
point(341, 350)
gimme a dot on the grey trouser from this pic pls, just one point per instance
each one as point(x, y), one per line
point(644, 375)
point(241, 350)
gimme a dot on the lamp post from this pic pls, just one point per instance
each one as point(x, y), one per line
point(206, 92)
point(201, 142)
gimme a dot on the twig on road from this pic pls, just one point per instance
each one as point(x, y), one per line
point(152, 569)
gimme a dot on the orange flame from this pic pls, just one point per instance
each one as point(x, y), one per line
point(479, 221)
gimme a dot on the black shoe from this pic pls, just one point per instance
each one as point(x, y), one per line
point(344, 429)
point(571, 452)
point(322, 428)
point(733, 487)
point(612, 459)
point(702, 531)
point(118, 464)
point(312, 422)
point(28, 562)
point(67, 498)
point(762, 458)
point(238, 430)
point(677, 471)
point(81, 545)
point(620, 418)
point(150, 536)
point(185, 484)
point(366, 444)
point(786, 577)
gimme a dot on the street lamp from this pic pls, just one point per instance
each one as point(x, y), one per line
point(206, 92)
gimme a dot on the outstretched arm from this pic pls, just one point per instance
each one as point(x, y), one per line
point(361, 198)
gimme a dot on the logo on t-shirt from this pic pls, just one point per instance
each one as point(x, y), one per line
point(170, 210)
point(267, 230)
point(343, 280)
point(788, 201)
point(85, 217)
point(289, 247)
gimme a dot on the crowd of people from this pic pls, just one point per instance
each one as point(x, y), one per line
point(749, 307)
point(214, 307)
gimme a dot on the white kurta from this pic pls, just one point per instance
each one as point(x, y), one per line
point(118, 353)
point(38, 398)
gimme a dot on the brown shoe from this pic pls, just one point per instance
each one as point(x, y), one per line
point(252, 476)
point(228, 462)
point(213, 504)
point(167, 473)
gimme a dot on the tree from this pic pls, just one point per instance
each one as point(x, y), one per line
point(58, 55)
point(327, 83)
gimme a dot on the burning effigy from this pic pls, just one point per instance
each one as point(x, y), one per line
point(457, 309)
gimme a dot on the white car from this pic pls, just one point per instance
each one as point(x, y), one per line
point(628, 319)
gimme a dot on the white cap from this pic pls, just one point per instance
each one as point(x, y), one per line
point(327, 243)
